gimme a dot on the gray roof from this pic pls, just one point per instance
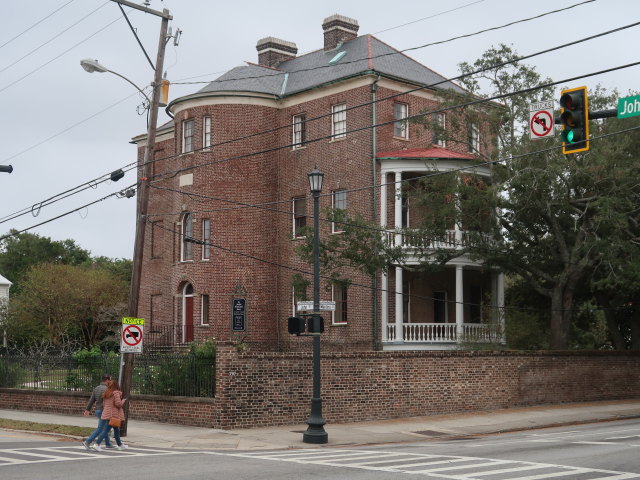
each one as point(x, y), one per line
point(313, 70)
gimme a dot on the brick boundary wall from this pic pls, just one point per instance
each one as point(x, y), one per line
point(257, 389)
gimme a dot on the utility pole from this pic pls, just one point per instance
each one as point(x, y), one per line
point(143, 195)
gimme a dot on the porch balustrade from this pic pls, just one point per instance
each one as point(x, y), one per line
point(444, 333)
point(452, 239)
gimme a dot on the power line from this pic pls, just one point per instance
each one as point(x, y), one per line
point(53, 38)
point(423, 114)
point(35, 24)
point(58, 56)
point(347, 62)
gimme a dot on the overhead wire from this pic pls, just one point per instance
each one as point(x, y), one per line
point(35, 24)
point(52, 38)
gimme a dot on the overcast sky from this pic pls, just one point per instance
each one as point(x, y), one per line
point(62, 127)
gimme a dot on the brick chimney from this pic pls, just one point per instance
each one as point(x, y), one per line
point(337, 30)
point(273, 51)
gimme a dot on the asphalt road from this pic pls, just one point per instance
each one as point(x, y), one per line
point(608, 451)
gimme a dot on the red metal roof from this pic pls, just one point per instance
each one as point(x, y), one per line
point(433, 152)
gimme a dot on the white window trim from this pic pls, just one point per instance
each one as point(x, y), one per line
point(185, 123)
point(442, 120)
point(206, 132)
point(337, 110)
point(297, 144)
point(206, 239)
point(333, 314)
point(202, 319)
point(183, 235)
point(333, 206)
point(474, 144)
point(402, 121)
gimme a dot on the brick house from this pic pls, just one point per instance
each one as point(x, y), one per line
point(230, 172)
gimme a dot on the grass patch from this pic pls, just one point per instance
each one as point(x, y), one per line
point(45, 427)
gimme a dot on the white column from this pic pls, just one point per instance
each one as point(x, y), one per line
point(384, 298)
point(398, 207)
point(399, 306)
point(384, 306)
point(459, 303)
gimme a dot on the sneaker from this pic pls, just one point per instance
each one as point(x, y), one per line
point(97, 448)
point(85, 444)
point(122, 447)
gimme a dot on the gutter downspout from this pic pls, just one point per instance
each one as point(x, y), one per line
point(374, 89)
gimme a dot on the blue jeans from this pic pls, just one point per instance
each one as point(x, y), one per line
point(97, 431)
point(105, 433)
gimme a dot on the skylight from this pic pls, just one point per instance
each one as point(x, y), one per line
point(339, 56)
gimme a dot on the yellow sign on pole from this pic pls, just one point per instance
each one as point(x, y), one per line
point(132, 321)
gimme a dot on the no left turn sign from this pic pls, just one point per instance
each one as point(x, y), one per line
point(541, 120)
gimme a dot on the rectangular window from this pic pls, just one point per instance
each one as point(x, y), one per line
point(299, 131)
point(204, 309)
point(439, 129)
point(339, 202)
point(186, 252)
point(299, 216)
point(473, 139)
point(206, 239)
point(206, 132)
point(187, 136)
point(401, 125)
point(339, 293)
point(339, 121)
point(440, 307)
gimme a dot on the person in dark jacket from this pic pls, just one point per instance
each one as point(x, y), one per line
point(97, 399)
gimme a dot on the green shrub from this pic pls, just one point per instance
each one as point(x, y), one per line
point(10, 374)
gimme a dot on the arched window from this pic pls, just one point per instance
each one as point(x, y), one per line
point(186, 251)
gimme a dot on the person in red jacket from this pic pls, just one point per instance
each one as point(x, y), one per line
point(112, 408)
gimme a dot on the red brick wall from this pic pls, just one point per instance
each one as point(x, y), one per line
point(256, 389)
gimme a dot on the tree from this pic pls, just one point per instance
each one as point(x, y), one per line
point(20, 251)
point(547, 218)
point(58, 300)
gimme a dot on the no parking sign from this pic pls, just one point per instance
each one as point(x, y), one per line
point(132, 335)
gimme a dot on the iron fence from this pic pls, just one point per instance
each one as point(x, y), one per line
point(167, 374)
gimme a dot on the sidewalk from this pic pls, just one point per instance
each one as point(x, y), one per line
point(163, 435)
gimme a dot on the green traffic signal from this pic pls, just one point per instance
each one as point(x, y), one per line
point(575, 120)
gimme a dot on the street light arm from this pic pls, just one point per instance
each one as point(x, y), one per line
point(136, 86)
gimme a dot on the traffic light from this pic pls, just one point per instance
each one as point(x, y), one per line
point(315, 327)
point(575, 120)
point(296, 325)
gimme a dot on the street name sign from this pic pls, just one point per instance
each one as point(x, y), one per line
point(326, 305)
point(541, 120)
point(132, 334)
point(629, 106)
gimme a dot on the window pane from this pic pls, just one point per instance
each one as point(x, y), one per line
point(438, 130)
point(299, 215)
point(340, 298)
point(339, 203)
point(299, 130)
point(339, 120)
point(206, 132)
point(204, 311)
point(400, 127)
point(187, 132)
point(187, 236)
point(206, 238)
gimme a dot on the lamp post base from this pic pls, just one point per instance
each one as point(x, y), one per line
point(315, 434)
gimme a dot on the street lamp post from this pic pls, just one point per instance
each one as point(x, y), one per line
point(143, 189)
point(315, 432)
